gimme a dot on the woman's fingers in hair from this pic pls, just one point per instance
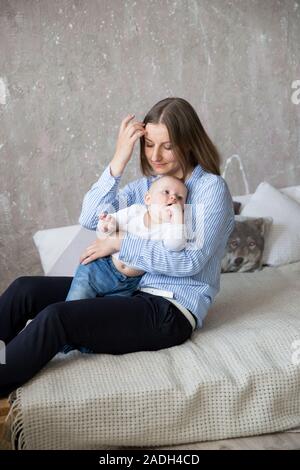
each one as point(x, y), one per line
point(135, 127)
point(137, 134)
point(126, 120)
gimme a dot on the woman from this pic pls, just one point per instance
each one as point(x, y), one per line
point(178, 287)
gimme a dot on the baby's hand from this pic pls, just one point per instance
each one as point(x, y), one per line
point(107, 223)
point(175, 214)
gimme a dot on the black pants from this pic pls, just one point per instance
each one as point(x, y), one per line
point(111, 324)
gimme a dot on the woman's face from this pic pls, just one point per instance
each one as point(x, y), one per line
point(158, 151)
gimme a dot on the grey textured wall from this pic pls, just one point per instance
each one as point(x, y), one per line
point(71, 70)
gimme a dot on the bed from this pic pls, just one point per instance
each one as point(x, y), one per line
point(238, 376)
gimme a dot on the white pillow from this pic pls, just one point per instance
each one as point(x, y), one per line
point(67, 262)
point(292, 191)
point(283, 242)
point(52, 242)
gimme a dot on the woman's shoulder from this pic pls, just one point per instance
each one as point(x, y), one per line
point(212, 178)
point(208, 186)
point(201, 178)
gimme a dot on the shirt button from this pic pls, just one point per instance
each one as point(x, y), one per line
point(123, 266)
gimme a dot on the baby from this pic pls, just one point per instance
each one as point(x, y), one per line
point(161, 218)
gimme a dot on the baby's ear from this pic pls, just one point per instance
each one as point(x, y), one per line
point(147, 198)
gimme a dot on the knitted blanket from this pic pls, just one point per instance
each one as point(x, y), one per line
point(237, 376)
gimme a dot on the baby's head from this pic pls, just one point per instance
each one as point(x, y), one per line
point(164, 192)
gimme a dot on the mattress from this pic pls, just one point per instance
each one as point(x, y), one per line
point(237, 376)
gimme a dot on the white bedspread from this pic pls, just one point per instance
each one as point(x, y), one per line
point(235, 377)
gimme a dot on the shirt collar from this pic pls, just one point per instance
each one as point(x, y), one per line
point(196, 174)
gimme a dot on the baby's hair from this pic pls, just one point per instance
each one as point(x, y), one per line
point(167, 176)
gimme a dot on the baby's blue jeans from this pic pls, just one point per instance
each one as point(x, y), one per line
point(99, 278)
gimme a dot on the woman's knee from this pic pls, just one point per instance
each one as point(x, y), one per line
point(38, 288)
point(23, 284)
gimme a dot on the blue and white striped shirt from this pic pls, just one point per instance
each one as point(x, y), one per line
point(193, 275)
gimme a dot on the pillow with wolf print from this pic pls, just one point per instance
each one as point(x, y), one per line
point(245, 246)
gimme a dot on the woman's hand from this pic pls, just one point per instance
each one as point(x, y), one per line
point(102, 247)
point(129, 132)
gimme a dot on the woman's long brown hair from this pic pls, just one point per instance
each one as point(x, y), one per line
point(190, 143)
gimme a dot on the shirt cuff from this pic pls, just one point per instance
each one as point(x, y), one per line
point(107, 180)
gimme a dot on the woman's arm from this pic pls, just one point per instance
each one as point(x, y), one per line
point(214, 230)
point(109, 243)
point(103, 195)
